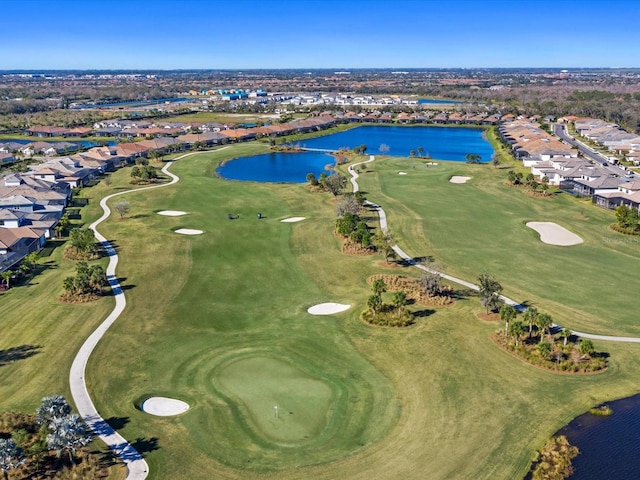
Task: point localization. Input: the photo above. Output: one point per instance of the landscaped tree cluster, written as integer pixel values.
(380, 313)
(333, 183)
(361, 149)
(490, 290)
(384, 242)
(350, 225)
(556, 351)
(87, 282)
(553, 462)
(143, 174)
(35, 444)
(82, 244)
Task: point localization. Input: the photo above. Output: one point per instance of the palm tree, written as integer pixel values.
(374, 302)
(420, 151)
(6, 276)
(544, 349)
(472, 158)
(400, 300)
(517, 329)
(68, 433)
(586, 346)
(507, 313)
(565, 334)
(379, 287)
(543, 322)
(490, 290)
(412, 153)
(530, 317)
(55, 406)
(10, 456)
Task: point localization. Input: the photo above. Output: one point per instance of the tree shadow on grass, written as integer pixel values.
(146, 445)
(117, 423)
(10, 355)
(427, 312)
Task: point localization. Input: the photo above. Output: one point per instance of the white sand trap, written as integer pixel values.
(327, 308)
(430, 163)
(402, 173)
(293, 219)
(458, 179)
(163, 406)
(554, 234)
(171, 213)
(188, 231)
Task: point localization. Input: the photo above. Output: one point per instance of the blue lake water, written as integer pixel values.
(440, 143)
(436, 101)
(609, 446)
(289, 167)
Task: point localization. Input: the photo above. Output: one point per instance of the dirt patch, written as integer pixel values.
(581, 217)
(488, 317)
(411, 287)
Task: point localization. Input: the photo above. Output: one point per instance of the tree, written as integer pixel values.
(495, 161)
(384, 242)
(543, 322)
(6, 276)
(400, 300)
(507, 313)
(544, 186)
(530, 315)
(384, 148)
(554, 460)
(431, 283)
(627, 217)
(374, 302)
(84, 241)
(586, 346)
(517, 329)
(420, 151)
(363, 149)
(473, 158)
(544, 349)
(348, 204)
(55, 406)
(490, 290)
(11, 456)
(565, 334)
(412, 153)
(379, 287)
(68, 433)
(123, 207)
(31, 260)
(311, 178)
(335, 183)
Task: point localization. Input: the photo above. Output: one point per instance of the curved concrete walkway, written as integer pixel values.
(136, 465)
(409, 260)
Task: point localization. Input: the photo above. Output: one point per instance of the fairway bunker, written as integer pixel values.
(188, 231)
(171, 213)
(459, 179)
(553, 234)
(163, 406)
(293, 219)
(402, 173)
(328, 308)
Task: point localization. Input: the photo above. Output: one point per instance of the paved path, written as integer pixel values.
(410, 260)
(136, 465)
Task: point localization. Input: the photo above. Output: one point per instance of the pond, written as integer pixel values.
(440, 143)
(608, 446)
(277, 167)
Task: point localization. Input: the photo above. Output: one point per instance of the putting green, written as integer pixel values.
(281, 402)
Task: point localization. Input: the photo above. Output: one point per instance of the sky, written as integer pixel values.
(307, 34)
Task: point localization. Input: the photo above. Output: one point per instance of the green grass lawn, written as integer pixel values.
(219, 320)
(480, 226)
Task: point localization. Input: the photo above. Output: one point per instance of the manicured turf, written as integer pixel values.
(480, 226)
(279, 401)
(219, 321)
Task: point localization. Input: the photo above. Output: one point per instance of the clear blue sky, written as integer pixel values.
(243, 34)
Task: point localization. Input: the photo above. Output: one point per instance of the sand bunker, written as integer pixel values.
(188, 231)
(402, 173)
(293, 219)
(554, 234)
(327, 308)
(171, 213)
(164, 407)
(457, 179)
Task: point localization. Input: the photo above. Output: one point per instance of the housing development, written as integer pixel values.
(317, 274)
